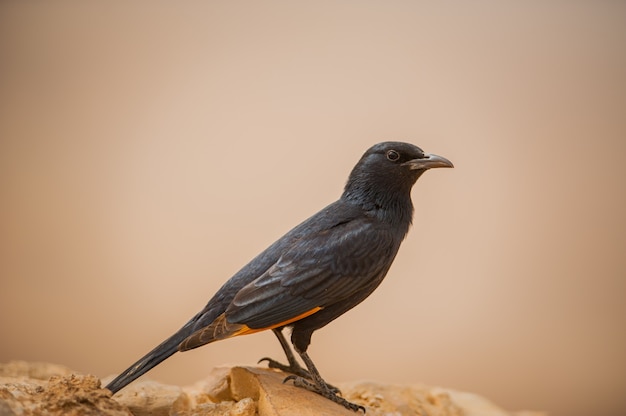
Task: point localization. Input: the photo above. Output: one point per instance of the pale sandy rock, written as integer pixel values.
(384, 399)
(213, 388)
(244, 407)
(473, 404)
(275, 398)
(77, 395)
(149, 398)
(45, 389)
(23, 391)
(212, 396)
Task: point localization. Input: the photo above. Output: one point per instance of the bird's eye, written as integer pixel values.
(393, 155)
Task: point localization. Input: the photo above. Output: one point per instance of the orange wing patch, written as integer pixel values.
(245, 329)
(220, 329)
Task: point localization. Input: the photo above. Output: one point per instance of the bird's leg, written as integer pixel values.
(317, 385)
(294, 367)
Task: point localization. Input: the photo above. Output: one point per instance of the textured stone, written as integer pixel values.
(384, 399)
(147, 398)
(46, 389)
(24, 391)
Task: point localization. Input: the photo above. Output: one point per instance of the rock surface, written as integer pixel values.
(48, 389)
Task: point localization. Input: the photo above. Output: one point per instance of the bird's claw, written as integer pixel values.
(293, 369)
(270, 362)
(327, 391)
(297, 380)
(288, 378)
(296, 371)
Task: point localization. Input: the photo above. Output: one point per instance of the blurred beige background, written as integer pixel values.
(149, 150)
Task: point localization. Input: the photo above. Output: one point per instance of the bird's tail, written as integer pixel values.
(151, 359)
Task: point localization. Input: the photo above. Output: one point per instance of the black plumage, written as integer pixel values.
(316, 272)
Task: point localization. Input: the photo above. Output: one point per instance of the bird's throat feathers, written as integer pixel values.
(389, 203)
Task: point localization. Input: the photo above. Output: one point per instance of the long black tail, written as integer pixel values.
(164, 350)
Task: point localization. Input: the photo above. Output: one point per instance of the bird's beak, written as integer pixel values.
(429, 161)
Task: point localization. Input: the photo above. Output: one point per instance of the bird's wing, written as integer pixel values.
(316, 271)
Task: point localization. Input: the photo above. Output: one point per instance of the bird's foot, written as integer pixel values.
(293, 368)
(325, 390)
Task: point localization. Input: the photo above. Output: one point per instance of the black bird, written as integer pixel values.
(316, 272)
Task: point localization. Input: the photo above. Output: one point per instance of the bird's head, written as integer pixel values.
(387, 171)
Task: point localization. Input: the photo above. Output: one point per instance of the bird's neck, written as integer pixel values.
(392, 206)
